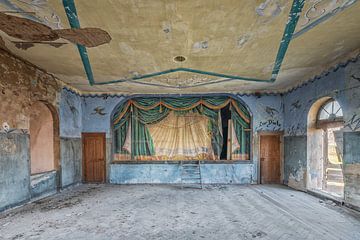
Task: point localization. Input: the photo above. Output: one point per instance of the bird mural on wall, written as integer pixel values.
(355, 77)
(99, 111)
(29, 30)
(295, 105)
(271, 111)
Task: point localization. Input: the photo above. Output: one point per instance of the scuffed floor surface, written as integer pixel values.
(168, 212)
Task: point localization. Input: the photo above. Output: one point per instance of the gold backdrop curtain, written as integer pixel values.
(181, 137)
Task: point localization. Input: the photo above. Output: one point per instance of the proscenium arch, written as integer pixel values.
(55, 132)
(126, 98)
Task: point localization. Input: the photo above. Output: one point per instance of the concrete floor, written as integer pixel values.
(168, 212)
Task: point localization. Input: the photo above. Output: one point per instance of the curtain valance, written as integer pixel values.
(180, 104)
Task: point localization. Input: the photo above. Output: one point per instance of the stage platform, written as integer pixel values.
(212, 172)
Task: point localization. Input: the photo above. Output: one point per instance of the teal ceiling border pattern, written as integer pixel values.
(296, 8)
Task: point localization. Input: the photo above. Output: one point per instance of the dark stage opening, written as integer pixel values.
(225, 117)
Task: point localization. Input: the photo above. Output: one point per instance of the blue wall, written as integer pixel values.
(342, 84)
(70, 114)
(70, 138)
(267, 112)
(171, 173)
(14, 169)
(97, 113)
(267, 115)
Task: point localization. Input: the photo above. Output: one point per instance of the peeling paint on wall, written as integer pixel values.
(201, 45)
(70, 114)
(297, 178)
(23, 84)
(269, 8)
(241, 42)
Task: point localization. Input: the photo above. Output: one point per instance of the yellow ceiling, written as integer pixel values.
(230, 37)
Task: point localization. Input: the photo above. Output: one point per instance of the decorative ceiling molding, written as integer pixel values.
(294, 15)
(268, 93)
(322, 14)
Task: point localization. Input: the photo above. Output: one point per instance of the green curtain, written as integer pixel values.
(144, 111)
(241, 128)
(142, 143)
(120, 131)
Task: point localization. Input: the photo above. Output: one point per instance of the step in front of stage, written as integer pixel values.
(191, 174)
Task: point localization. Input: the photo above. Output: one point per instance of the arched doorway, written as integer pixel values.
(44, 138)
(325, 147)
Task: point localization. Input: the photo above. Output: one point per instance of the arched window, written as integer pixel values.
(330, 112)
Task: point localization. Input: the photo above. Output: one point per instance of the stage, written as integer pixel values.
(212, 172)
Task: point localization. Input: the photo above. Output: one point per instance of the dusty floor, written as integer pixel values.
(167, 212)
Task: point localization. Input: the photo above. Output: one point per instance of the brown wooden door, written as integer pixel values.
(94, 157)
(270, 159)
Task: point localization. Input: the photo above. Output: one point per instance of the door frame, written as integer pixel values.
(281, 136)
(83, 135)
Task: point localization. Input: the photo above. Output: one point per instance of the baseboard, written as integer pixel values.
(326, 196)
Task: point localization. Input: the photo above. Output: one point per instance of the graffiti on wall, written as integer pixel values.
(74, 112)
(72, 108)
(354, 123)
(270, 118)
(273, 125)
(296, 130)
(295, 105)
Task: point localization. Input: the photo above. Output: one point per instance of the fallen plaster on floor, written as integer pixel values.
(169, 212)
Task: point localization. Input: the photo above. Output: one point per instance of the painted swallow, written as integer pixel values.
(99, 110)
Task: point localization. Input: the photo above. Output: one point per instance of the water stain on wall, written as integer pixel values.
(7, 146)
